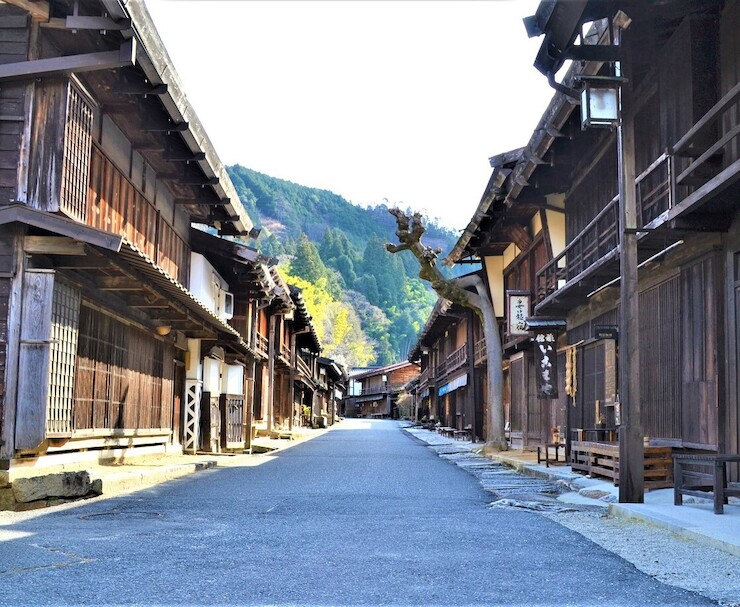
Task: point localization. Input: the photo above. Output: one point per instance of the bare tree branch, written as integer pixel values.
(410, 231)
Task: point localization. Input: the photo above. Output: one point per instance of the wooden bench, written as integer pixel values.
(711, 484)
(446, 431)
(464, 434)
(602, 459)
(546, 457)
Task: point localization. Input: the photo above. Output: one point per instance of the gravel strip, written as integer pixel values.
(667, 557)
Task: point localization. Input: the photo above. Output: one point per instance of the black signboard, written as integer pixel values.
(606, 332)
(546, 361)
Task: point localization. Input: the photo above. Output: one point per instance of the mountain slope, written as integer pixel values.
(324, 239)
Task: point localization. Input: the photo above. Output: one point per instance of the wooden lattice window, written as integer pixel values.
(76, 158)
(64, 332)
(122, 379)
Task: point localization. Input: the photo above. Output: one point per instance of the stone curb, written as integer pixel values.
(131, 480)
(675, 527)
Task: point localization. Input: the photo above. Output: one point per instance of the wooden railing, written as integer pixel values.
(285, 353)
(479, 351)
(261, 344)
(597, 239)
(705, 160)
(115, 205)
(454, 361)
(710, 149)
(303, 367)
(424, 377)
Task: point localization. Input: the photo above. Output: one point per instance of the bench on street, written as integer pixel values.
(546, 456)
(703, 475)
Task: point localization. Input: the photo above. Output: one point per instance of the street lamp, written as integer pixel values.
(599, 101)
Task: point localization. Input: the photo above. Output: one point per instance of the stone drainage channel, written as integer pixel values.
(509, 489)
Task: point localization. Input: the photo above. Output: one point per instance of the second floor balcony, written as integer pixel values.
(692, 187)
(455, 360)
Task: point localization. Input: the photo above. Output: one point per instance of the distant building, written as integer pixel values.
(374, 392)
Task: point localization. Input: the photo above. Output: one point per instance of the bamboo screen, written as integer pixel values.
(118, 207)
(64, 330)
(123, 378)
(76, 157)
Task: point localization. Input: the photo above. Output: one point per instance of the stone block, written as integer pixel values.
(63, 484)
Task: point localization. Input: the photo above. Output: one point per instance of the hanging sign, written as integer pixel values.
(518, 312)
(546, 362)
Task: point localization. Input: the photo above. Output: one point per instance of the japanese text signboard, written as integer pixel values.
(518, 312)
(546, 363)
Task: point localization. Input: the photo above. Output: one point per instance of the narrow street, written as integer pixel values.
(362, 515)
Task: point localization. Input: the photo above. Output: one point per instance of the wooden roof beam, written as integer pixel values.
(166, 127)
(39, 10)
(519, 236)
(202, 201)
(184, 156)
(88, 23)
(142, 88)
(89, 62)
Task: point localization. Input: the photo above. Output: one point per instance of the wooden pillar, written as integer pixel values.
(631, 451)
(471, 391)
(271, 372)
(291, 388)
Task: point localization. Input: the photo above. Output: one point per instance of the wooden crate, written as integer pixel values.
(602, 459)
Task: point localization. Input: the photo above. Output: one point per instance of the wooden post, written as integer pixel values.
(631, 455)
(291, 388)
(471, 390)
(271, 371)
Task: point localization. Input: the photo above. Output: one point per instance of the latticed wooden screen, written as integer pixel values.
(76, 158)
(117, 206)
(62, 354)
(123, 377)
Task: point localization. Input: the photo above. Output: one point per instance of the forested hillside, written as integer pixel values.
(368, 305)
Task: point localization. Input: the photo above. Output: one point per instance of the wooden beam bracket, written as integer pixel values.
(89, 62)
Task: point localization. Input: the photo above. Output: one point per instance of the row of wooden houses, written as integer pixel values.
(612, 254)
(134, 316)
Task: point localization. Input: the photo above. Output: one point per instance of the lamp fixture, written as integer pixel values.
(600, 101)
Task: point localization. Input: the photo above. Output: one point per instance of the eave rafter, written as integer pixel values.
(68, 64)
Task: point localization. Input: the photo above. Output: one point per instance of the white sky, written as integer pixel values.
(371, 99)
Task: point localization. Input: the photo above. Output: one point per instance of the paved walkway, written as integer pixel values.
(695, 519)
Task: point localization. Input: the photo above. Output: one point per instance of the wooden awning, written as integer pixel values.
(57, 224)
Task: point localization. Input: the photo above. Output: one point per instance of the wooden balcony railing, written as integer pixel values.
(115, 205)
(704, 162)
(456, 359)
(262, 344)
(480, 353)
(707, 158)
(284, 353)
(597, 239)
(302, 366)
(424, 377)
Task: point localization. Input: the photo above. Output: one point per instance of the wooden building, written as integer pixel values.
(332, 385)
(451, 352)
(677, 162)
(126, 331)
(512, 244)
(374, 392)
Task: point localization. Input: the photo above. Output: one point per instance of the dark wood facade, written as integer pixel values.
(451, 353)
(682, 106)
(129, 325)
(373, 393)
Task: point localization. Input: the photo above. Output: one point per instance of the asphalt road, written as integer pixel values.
(363, 515)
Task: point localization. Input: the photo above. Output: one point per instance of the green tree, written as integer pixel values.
(307, 264)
